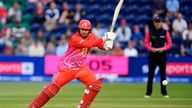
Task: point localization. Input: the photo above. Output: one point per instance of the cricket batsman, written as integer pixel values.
(72, 66)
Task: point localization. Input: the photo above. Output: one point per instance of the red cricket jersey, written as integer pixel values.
(77, 51)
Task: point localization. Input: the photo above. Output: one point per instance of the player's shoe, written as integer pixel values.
(166, 96)
(147, 96)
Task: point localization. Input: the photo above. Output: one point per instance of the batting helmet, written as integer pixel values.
(84, 24)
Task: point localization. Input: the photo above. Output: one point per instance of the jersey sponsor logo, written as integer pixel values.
(81, 41)
(162, 36)
(84, 51)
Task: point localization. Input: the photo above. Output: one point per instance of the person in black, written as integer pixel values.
(157, 41)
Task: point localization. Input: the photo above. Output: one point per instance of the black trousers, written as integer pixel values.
(155, 60)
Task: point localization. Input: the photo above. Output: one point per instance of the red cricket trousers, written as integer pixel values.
(85, 75)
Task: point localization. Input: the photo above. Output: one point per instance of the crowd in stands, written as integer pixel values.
(44, 27)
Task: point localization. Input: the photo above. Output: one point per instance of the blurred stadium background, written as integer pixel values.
(32, 38)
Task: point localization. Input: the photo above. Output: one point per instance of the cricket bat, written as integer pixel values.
(115, 15)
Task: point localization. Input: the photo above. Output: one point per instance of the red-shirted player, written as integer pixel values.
(72, 66)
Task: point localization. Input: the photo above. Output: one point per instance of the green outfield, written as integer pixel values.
(18, 95)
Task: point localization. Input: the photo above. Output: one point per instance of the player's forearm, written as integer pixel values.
(101, 46)
(147, 42)
(169, 42)
(148, 47)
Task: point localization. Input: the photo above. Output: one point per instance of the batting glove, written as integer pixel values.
(109, 36)
(108, 45)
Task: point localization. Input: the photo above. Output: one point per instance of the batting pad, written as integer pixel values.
(48, 92)
(90, 93)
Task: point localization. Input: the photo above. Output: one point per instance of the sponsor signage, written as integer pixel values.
(17, 68)
(138, 67)
(99, 64)
(181, 69)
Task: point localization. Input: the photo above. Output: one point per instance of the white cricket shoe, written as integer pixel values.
(147, 96)
(166, 96)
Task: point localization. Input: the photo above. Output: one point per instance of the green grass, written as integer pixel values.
(19, 95)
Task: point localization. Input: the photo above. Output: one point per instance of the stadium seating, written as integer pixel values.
(101, 10)
(30, 7)
(35, 27)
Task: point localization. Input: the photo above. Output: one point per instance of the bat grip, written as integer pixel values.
(112, 27)
(111, 30)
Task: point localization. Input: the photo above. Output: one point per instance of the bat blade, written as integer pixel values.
(116, 14)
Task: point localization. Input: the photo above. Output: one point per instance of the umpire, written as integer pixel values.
(157, 41)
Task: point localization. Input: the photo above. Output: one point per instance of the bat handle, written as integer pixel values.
(112, 27)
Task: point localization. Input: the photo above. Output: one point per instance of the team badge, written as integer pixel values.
(84, 25)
